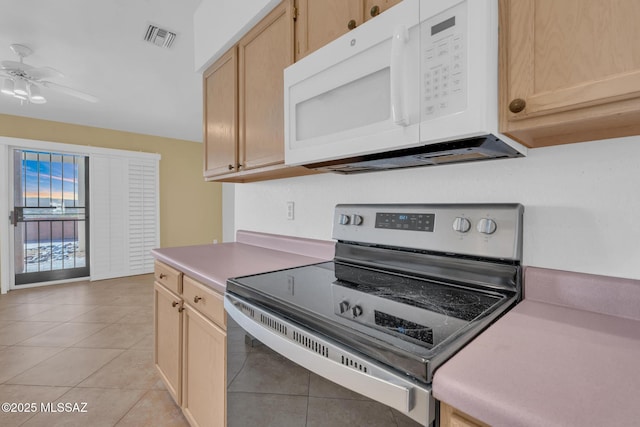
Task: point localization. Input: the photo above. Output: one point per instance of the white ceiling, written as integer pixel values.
(99, 47)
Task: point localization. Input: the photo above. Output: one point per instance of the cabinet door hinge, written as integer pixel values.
(295, 13)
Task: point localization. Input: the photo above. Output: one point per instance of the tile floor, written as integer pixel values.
(83, 342)
(93, 342)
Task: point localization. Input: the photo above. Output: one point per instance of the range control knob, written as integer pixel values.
(344, 306)
(486, 226)
(461, 225)
(356, 311)
(344, 219)
(356, 219)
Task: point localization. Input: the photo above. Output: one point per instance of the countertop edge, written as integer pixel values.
(324, 249)
(265, 252)
(533, 358)
(209, 281)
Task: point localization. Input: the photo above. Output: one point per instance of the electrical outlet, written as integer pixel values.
(290, 210)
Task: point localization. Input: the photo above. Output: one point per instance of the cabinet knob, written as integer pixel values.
(517, 105)
(175, 303)
(351, 24)
(231, 167)
(162, 275)
(181, 309)
(375, 10)
(196, 299)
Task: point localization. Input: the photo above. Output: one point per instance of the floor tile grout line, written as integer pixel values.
(67, 346)
(56, 385)
(136, 307)
(132, 406)
(22, 372)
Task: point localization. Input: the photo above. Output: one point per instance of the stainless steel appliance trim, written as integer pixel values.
(503, 244)
(333, 362)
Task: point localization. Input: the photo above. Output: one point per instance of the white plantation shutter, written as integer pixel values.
(143, 215)
(124, 214)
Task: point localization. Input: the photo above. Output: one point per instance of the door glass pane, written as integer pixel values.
(51, 218)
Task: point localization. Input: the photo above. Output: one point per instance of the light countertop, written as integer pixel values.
(252, 253)
(567, 355)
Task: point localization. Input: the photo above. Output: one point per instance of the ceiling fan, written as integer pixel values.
(23, 81)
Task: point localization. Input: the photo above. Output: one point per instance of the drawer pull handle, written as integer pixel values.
(162, 276)
(175, 303)
(517, 105)
(196, 299)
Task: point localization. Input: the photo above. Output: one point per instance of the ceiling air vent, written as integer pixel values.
(159, 37)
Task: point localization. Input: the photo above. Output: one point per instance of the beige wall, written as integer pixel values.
(190, 208)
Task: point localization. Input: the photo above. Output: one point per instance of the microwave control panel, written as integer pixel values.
(444, 63)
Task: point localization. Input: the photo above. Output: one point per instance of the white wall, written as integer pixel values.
(582, 201)
(219, 24)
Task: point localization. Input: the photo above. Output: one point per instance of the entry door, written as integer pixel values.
(50, 216)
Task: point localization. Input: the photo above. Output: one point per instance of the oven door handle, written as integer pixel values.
(393, 391)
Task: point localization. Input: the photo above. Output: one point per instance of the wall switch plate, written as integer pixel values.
(290, 210)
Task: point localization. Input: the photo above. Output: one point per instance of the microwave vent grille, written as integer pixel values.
(471, 149)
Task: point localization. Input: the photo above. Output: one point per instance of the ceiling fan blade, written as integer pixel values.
(44, 73)
(69, 91)
(15, 65)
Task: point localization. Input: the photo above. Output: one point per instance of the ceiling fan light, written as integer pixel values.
(20, 88)
(35, 96)
(7, 87)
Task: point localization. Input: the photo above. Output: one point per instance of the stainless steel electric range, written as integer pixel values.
(409, 286)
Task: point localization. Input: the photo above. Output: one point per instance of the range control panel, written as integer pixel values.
(486, 230)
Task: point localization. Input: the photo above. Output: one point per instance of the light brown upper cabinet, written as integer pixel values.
(264, 53)
(569, 70)
(221, 116)
(319, 22)
(244, 104)
(373, 8)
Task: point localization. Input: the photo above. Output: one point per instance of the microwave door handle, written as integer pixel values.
(398, 43)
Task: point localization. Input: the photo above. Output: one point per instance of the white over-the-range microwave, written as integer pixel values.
(416, 86)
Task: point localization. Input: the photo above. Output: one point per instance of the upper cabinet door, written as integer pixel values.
(373, 8)
(319, 22)
(221, 116)
(570, 70)
(264, 53)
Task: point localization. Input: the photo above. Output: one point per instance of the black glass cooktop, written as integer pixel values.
(413, 313)
(449, 300)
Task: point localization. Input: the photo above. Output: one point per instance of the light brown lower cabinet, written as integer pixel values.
(452, 417)
(190, 347)
(204, 380)
(168, 339)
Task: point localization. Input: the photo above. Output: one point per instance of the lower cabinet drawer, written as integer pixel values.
(204, 299)
(168, 276)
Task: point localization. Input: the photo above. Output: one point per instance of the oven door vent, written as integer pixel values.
(311, 344)
(247, 310)
(273, 324)
(353, 364)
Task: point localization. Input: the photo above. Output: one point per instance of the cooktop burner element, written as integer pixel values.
(399, 295)
(454, 301)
